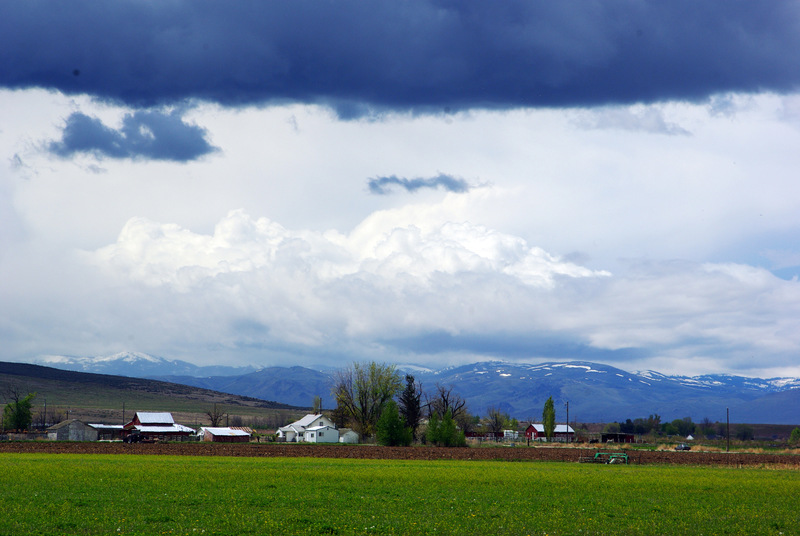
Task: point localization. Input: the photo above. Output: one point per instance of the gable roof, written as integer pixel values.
(66, 423)
(308, 419)
(146, 417)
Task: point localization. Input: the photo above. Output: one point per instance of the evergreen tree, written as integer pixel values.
(549, 418)
(410, 405)
(390, 430)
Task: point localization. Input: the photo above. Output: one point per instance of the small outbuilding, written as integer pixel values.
(347, 435)
(108, 432)
(617, 437)
(224, 435)
(321, 434)
(71, 430)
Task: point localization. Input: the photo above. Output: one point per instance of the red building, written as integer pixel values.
(225, 435)
(563, 432)
(155, 426)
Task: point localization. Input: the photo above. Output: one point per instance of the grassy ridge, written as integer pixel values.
(100, 396)
(72, 494)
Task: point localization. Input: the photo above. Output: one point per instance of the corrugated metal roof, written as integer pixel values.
(175, 428)
(146, 417)
(224, 431)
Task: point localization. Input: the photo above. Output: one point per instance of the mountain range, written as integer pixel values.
(594, 392)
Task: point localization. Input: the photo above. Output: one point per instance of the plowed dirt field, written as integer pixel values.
(519, 453)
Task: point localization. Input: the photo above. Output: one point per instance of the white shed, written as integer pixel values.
(321, 434)
(346, 435)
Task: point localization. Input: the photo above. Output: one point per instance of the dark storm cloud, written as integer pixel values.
(383, 185)
(144, 134)
(418, 55)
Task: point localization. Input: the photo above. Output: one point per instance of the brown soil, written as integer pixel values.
(520, 453)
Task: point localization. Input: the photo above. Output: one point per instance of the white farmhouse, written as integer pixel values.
(296, 431)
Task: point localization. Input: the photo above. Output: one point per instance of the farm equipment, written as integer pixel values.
(606, 457)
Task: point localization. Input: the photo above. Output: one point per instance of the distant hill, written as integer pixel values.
(69, 389)
(138, 365)
(595, 392)
(293, 385)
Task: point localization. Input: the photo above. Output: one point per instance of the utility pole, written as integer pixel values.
(567, 430)
(728, 431)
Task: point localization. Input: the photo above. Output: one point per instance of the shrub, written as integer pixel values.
(445, 433)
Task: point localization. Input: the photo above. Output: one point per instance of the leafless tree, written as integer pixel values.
(215, 415)
(445, 399)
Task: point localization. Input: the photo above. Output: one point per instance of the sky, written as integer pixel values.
(419, 182)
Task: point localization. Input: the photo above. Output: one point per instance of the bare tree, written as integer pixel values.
(215, 415)
(496, 421)
(445, 399)
(362, 390)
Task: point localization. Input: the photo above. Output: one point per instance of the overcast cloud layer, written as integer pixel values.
(605, 181)
(422, 55)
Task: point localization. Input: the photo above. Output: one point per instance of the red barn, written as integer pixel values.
(155, 426)
(562, 432)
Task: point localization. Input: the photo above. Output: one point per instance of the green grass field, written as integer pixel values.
(98, 494)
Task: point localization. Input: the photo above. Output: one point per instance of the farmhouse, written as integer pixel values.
(563, 432)
(71, 430)
(155, 426)
(224, 435)
(296, 431)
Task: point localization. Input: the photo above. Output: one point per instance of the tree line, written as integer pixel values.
(376, 401)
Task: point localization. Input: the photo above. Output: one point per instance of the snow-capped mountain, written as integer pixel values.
(601, 393)
(595, 392)
(137, 365)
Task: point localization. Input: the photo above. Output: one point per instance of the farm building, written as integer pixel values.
(563, 432)
(224, 435)
(296, 431)
(71, 430)
(321, 434)
(108, 432)
(617, 437)
(155, 426)
(346, 435)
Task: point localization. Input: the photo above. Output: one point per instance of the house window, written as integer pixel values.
(321, 434)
